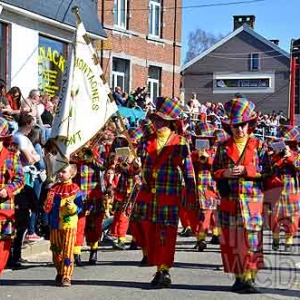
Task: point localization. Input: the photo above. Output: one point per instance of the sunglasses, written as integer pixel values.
(243, 125)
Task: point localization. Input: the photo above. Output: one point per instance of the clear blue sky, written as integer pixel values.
(275, 19)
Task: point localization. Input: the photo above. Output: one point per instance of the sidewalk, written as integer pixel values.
(39, 247)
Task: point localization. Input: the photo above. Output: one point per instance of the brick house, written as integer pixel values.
(245, 62)
(146, 46)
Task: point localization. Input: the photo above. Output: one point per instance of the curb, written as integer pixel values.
(35, 248)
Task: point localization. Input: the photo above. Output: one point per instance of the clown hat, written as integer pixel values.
(167, 109)
(239, 111)
(204, 130)
(288, 133)
(221, 135)
(4, 129)
(135, 134)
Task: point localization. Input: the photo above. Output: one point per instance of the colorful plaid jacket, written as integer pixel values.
(207, 190)
(11, 179)
(288, 170)
(90, 178)
(243, 205)
(165, 174)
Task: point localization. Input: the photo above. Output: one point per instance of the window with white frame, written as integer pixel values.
(3, 51)
(254, 61)
(120, 74)
(154, 78)
(248, 82)
(120, 13)
(155, 18)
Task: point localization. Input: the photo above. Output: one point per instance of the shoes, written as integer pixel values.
(119, 246)
(186, 232)
(162, 279)
(77, 260)
(108, 238)
(33, 238)
(144, 262)
(66, 282)
(249, 287)
(215, 240)
(133, 246)
(288, 247)
(58, 279)
(275, 245)
(237, 286)
(93, 257)
(17, 263)
(202, 245)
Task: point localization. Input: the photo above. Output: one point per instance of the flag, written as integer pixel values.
(84, 106)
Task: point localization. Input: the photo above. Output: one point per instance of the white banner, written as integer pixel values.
(84, 106)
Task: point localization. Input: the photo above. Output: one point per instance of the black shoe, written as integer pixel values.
(202, 246)
(119, 246)
(215, 240)
(162, 279)
(133, 246)
(58, 279)
(93, 257)
(275, 245)
(157, 277)
(144, 262)
(249, 287)
(237, 286)
(77, 259)
(19, 263)
(187, 233)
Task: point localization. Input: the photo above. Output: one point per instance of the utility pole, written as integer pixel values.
(294, 81)
(174, 49)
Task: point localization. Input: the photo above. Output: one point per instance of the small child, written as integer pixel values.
(63, 203)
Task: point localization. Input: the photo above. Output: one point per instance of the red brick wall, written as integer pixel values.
(140, 47)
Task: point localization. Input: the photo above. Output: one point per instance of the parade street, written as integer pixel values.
(117, 276)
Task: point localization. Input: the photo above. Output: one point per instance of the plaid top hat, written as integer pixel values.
(4, 129)
(147, 127)
(167, 109)
(135, 134)
(204, 130)
(221, 135)
(288, 133)
(239, 111)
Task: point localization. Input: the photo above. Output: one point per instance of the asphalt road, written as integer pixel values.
(117, 276)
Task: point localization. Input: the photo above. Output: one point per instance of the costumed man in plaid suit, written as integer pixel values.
(208, 197)
(11, 182)
(63, 203)
(238, 167)
(286, 166)
(90, 178)
(166, 165)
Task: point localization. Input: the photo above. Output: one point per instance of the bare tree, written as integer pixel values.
(198, 41)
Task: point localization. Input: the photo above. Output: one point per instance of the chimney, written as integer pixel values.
(239, 21)
(276, 42)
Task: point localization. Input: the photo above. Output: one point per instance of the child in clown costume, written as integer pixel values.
(207, 191)
(63, 203)
(285, 210)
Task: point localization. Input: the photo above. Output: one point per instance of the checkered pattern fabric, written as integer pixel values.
(147, 127)
(135, 134)
(204, 129)
(168, 109)
(243, 191)
(239, 110)
(12, 179)
(221, 135)
(288, 133)
(4, 128)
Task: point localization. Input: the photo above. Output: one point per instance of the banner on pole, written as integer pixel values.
(84, 106)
